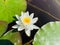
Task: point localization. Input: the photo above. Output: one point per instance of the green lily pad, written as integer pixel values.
(3, 27)
(9, 8)
(48, 34)
(14, 37)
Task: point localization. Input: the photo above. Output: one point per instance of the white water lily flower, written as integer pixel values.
(26, 21)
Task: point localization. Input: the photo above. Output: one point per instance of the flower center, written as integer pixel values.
(26, 20)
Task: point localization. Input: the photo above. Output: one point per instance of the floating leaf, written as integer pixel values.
(3, 27)
(8, 9)
(48, 34)
(14, 37)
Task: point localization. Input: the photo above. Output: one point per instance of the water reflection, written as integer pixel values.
(57, 2)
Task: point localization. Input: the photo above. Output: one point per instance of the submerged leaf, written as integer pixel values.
(48, 34)
(5, 42)
(14, 37)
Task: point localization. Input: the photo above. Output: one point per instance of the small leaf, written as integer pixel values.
(48, 34)
(3, 27)
(14, 37)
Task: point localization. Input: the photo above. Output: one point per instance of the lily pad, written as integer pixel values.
(14, 37)
(3, 27)
(9, 8)
(48, 34)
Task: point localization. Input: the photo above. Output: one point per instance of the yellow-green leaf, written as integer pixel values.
(9, 8)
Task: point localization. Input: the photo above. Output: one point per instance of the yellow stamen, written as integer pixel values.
(26, 20)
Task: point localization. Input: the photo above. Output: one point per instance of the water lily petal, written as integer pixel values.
(20, 28)
(34, 20)
(35, 27)
(27, 13)
(32, 15)
(18, 22)
(17, 16)
(30, 27)
(27, 32)
(22, 13)
(15, 26)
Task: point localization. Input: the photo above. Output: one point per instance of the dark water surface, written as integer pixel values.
(5, 42)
